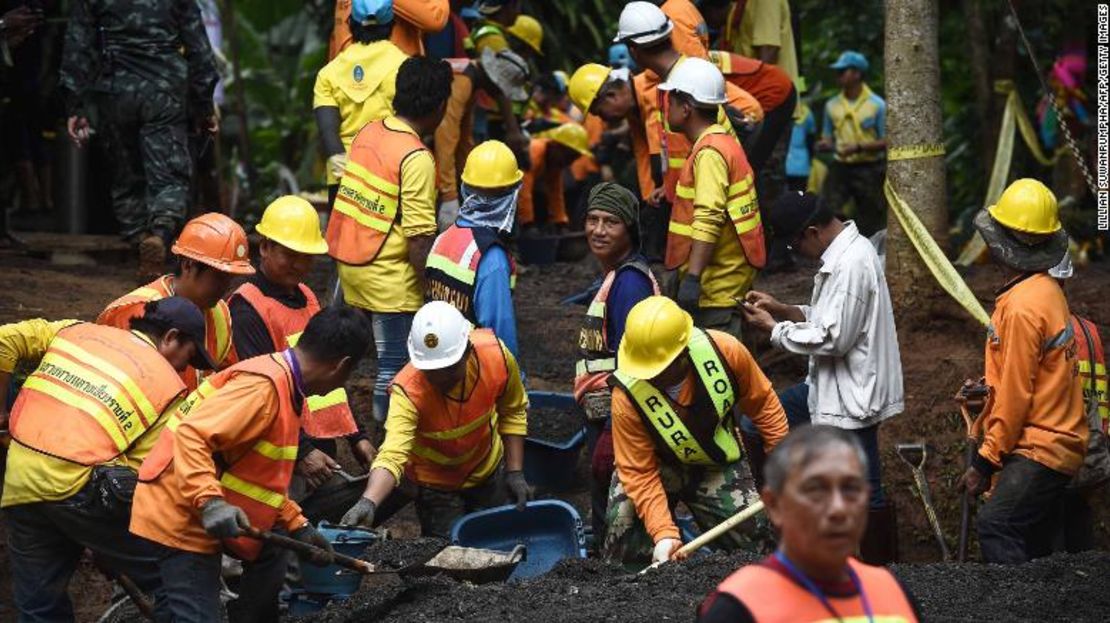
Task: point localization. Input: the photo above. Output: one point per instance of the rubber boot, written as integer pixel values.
(880, 541)
(152, 257)
(753, 445)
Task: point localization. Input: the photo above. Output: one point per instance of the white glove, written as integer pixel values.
(448, 212)
(337, 163)
(664, 549)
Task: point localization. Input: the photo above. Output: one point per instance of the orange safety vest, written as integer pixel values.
(453, 438)
(1092, 367)
(451, 273)
(324, 417)
(772, 597)
(217, 323)
(369, 199)
(768, 84)
(599, 358)
(742, 205)
(95, 393)
(256, 481)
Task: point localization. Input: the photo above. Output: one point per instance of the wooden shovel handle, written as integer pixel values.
(348, 562)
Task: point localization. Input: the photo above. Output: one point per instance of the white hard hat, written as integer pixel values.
(699, 79)
(439, 336)
(642, 23)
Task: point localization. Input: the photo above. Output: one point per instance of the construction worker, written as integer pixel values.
(526, 36)
(491, 31)
(690, 35)
(612, 231)
(83, 422)
(855, 129)
(503, 76)
(412, 19)
(357, 86)
(1034, 426)
(803, 139)
(715, 238)
(774, 91)
(223, 464)
(677, 391)
(270, 311)
(157, 85)
(816, 497)
(759, 29)
(211, 250)
(456, 426)
(380, 249)
(469, 265)
(551, 153)
(847, 330)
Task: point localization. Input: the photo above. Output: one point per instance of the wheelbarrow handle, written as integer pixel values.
(291, 544)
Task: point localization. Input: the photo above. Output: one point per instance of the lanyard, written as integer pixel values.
(295, 368)
(816, 591)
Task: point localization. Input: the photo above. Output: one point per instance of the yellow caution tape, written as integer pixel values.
(934, 257)
(912, 152)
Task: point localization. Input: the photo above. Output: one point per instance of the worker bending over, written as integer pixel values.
(270, 312)
(492, 30)
(690, 34)
(379, 247)
(612, 231)
(211, 249)
(677, 391)
(715, 238)
(469, 265)
(83, 423)
(223, 464)
(552, 153)
(456, 426)
(816, 496)
(1034, 426)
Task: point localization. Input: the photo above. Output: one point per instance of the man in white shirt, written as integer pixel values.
(847, 330)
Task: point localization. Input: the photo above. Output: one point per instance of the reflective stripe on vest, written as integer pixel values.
(1095, 386)
(451, 272)
(94, 394)
(661, 413)
(741, 205)
(452, 439)
(368, 201)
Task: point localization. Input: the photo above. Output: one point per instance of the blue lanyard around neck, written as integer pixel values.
(295, 368)
(816, 591)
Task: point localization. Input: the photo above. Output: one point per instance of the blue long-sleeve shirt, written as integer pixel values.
(630, 287)
(493, 298)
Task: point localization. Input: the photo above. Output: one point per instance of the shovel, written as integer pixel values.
(914, 455)
(712, 534)
(969, 391)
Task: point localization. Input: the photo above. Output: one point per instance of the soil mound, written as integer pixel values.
(554, 425)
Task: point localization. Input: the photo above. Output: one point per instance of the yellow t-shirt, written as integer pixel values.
(767, 22)
(389, 283)
(510, 418)
(728, 273)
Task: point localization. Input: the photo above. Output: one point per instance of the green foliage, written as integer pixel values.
(576, 31)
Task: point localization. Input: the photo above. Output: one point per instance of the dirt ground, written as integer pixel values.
(936, 357)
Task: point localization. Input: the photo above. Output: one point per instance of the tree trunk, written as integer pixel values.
(1002, 68)
(914, 118)
(978, 48)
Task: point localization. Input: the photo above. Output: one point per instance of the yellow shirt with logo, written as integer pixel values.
(31, 476)
(862, 120)
(389, 283)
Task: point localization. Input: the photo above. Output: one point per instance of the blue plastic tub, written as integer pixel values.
(328, 580)
(551, 530)
(552, 465)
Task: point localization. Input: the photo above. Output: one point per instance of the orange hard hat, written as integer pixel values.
(216, 240)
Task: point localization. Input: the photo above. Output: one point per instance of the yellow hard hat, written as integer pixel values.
(528, 29)
(572, 135)
(1027, 206)
(491, 165)
(292, 222)
(656, 332)
(585, 84)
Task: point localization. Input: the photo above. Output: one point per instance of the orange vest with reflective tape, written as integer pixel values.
(257, 480)
(772, 597)
(217, 323)
(742, 206)
(453, 438)
(1092, 367)
(97, 390)
(369, 199)
(324, 417)
(451, 273)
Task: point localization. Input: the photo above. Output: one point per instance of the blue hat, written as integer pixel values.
(372, 12)
(469, 12)
(851, 60)
(619, 56)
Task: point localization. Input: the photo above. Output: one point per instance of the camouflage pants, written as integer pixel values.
(146, 136)
(863, 183)
(713, 494)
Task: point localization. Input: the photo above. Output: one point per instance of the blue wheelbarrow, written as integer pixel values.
(549, 530)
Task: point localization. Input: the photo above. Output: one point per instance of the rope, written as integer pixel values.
(1079, 159)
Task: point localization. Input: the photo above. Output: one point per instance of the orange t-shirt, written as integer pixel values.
(690, 35)
(552, 187)
(634, 448)
(411, 19)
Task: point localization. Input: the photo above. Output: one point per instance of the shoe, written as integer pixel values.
(152, 257)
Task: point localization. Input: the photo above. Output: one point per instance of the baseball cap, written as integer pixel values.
(851, 59)
(372, 12)
(182, 314)
(791, 213)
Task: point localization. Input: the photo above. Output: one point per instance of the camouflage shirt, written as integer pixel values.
(119, 45)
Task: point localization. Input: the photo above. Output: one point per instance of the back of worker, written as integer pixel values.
(413, 19)
(1092, 367)
(690, 34)
(556, 150)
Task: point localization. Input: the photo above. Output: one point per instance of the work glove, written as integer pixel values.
(518, 488)
(448, 212)
(361, 514)
(664, 549)
(337, 164)
(223, 520)
(324, 555)
(689, 291)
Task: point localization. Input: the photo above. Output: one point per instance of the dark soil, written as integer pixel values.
(554, 425)
(395, 554)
